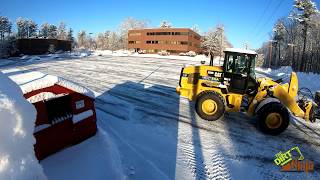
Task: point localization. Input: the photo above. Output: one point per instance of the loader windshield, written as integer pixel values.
(239, 63)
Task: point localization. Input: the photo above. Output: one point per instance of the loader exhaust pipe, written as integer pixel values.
(317, 108)
(211, 59)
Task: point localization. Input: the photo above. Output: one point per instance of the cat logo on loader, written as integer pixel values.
(234, 87)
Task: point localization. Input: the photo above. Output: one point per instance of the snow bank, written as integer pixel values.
(308, 80)
(33, 80)
(24, 57)
(121, 52)
(197, 58)
(102, 52)
(81, 53)
(5, 62)
(34, 58)
(17, 117)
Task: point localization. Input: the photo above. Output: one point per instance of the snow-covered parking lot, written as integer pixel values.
(146, 131)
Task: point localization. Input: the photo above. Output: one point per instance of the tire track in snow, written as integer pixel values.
(214, 169)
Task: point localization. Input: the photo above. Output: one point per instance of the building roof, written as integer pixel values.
(244, 51)
(164, 29)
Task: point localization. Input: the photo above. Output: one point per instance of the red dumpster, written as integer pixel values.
(65, 111)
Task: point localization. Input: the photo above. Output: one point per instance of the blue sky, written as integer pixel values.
(245, 20)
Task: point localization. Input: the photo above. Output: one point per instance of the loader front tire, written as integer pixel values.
(273, 119)
(210, 106)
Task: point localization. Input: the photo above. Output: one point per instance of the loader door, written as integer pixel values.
(237, 70)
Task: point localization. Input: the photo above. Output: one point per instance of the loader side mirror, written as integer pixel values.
(202, 62)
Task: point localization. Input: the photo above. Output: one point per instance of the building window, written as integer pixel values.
(150, 33)
(196, 37)
(168, 33)
(184, 33)
(183, 42)
(134, 42)
(134, 34)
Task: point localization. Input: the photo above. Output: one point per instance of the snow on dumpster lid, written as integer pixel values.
(33, 80)
(245, 51)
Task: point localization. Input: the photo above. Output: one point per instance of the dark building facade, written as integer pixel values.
(173, 40)
(33, 46)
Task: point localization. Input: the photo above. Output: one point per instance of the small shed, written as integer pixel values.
(65, 111)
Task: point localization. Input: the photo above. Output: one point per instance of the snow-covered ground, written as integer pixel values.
(146, 131)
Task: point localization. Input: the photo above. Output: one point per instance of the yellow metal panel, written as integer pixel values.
(308, 109)
(235, 100)
(258, 98)
(293, 87)
(286, 99)
(191, 85)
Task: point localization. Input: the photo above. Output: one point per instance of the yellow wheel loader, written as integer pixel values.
(234, 87)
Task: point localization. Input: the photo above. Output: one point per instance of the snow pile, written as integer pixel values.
(34, 58)
(81, 53)
(102, 52)
(121, 52)
(33, 80)
(17, 116)
(5, 62)
(54, 56)
(197, 58)
(24, 57)
(307, 80)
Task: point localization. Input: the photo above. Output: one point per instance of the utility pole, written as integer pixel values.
(90, 41)
(292, 52)
(246, 44)
(221, 36)
(270, 51)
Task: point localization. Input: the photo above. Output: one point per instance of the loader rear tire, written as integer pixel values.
(273, 119)
(210, 106)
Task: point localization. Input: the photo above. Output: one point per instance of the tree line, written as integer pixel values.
(213, 41)
(110, 40)
(295, 40)
(27, 28)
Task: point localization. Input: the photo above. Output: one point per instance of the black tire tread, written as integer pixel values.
(219, 100)
(270, 108)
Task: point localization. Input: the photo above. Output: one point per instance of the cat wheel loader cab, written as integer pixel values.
(234, 87)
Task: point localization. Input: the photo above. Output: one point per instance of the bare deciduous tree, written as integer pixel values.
(298, 37)
(128, 24)
(62, 31)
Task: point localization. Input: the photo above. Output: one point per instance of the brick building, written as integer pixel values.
(173, 40)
